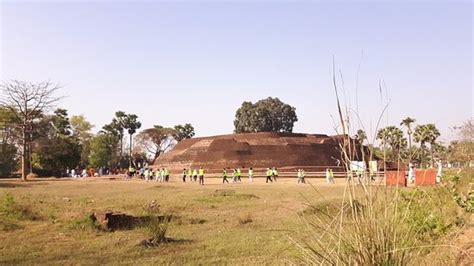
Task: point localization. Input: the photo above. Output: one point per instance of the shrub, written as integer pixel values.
(87, 222)
(386, 227)
(11, 213)
(155, 224)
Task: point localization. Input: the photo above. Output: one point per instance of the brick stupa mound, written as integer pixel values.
(257, 150)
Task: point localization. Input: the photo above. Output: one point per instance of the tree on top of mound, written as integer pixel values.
(267, 115)
(158, 139)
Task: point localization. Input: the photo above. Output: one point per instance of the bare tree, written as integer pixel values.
(27, 101)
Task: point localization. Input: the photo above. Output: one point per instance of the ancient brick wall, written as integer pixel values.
(257, 150)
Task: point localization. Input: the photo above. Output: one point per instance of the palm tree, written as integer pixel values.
(407, 123)
(392, 136)
(119, 124)
(132, 124)
(427, 134)
(360, 136)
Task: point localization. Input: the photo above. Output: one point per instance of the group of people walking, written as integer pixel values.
(159, 175)
(194, 175)
(197, 175)
(236, 175)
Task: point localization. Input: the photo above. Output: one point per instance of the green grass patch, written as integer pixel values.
(226, 195)
(86, 222)
(12, 213)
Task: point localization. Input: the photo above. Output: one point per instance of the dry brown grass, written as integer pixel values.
(224, 236)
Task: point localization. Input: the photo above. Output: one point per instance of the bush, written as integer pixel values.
(155, 224)
(87, 222)
(11, 213)
(377, 227)
(8, 159)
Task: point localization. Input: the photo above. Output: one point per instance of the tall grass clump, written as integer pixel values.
(155, 224)
(373, 224)
(11, 213)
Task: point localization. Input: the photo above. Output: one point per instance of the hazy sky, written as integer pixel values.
(197, 61)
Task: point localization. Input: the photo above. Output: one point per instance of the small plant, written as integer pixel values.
(225, 195)
(87, 222)
(8, 214)
(246, 219)
(11, 213)
(156, 225)
(197, 221)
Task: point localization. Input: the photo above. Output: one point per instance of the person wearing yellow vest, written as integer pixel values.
(201, 176)
(329, 176)
(269, 175)
(195, 175)
(239, 175)
(251, 174)
(190, 174)
(147, 174)
(224, 176)
(274, 174)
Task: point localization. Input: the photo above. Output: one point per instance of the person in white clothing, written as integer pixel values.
(439, 174)
(146, 174)
(411, 173)
(251, 174)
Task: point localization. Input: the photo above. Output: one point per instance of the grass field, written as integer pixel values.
(245, 223)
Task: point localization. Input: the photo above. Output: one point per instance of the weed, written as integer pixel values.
(87, 222)
(197, 221)
(246, 219)
(11, 213)
(156, 225)
(226, 195)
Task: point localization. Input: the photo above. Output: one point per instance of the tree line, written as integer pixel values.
(35, 138)
(398, 146)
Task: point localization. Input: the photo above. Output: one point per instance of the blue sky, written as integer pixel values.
(197, 61)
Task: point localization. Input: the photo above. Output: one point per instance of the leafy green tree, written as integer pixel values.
(115, 139)
(267, 115)
(158, 139)
(81, 130)
(101, 150)
(8, 129)
(8, 150)
(54, 155)
(427, 134)
(185, 131)
(8, 159)
(54, 147)
(60, 123)
(407, 122)
(132, 124)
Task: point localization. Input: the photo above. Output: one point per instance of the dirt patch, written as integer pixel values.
(113, 221)
(465, 241)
